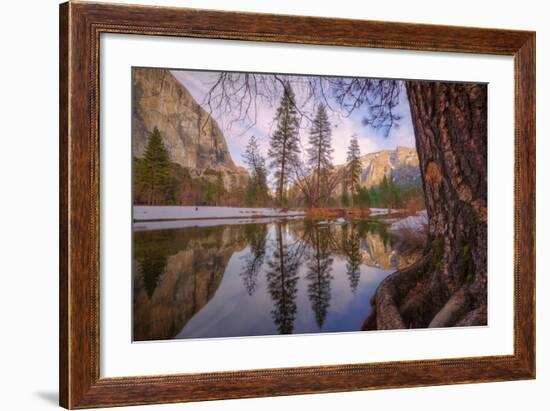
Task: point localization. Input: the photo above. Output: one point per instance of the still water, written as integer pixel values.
(269, 278)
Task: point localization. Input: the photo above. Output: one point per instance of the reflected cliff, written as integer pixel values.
(279, 277)
(176, 273)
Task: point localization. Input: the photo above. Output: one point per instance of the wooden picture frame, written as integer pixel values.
(80, 27)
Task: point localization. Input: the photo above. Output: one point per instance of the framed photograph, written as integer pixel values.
(258, 205)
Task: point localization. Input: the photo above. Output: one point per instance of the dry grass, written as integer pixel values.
(358, 212)
(332, 213)
(324, 213)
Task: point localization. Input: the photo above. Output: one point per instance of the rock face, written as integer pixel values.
(194, 262)
(373, 248)
(401, 164)
(378, 253)
(192, 136)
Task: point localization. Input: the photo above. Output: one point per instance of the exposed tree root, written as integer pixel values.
(409, 298)
(455, 308)
(387, 300)
(477, 316)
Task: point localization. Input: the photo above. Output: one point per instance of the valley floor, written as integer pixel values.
(167, 217)
(155, 213)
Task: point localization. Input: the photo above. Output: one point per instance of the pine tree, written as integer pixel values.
(257, 190)
(284, 145)
(385, 192)
(393, 194)
(153, 171)
(320, 149)
(353, 167)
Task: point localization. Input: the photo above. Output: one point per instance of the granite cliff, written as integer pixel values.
(193, 138)
(401, 164)
(192, 265)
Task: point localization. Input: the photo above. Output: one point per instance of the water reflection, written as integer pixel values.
(280, 277)
(256, 236)
(351, 244)
(319, 268)
(151, 266)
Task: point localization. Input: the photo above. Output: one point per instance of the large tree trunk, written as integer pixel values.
(448, 286)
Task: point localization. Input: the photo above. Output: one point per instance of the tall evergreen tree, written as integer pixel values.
(257, 190)
(284, 145)
(153, 171)
(394, 195)
(320, 149)
(353, 167)
(385, 192)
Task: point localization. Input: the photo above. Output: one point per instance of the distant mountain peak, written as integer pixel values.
(400, 163)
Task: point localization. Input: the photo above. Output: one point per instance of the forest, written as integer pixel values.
(287, 177)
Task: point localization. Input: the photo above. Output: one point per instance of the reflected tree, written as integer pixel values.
(352, 250)
(319, 274)
(282, 280)
(151, 268)
(256, 235)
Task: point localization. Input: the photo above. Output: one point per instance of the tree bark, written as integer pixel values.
(450, 125)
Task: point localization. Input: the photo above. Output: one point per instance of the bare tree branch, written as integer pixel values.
(238, 95)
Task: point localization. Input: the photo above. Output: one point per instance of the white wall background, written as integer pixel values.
(29, 190)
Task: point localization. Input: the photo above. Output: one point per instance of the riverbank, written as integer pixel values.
(168, 217)
(173, 213)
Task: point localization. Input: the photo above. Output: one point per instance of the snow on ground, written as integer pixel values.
(168, 217)
(148, 213)
(170, 224)
(412, 222)
(382, 211)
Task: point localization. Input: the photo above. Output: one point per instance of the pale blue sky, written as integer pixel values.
(343, 128)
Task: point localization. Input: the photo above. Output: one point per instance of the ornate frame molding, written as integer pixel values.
(80, 27)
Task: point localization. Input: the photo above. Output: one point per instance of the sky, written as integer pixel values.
(344, 127)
